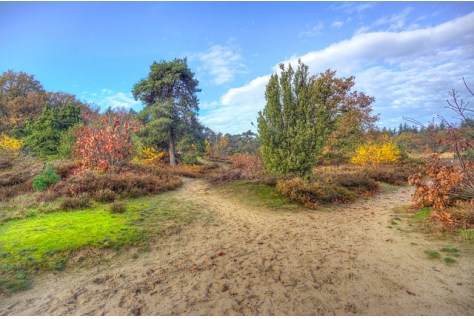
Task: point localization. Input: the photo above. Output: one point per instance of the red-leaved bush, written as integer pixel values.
(106, 142)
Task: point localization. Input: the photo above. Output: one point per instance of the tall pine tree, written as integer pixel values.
(171, 105)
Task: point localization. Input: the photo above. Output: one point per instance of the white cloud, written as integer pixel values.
(337, 24)
(353, 7)
(408, 72)
(221, 62)
(238, 107)
(312, 31)
(107, 97)
(395, 21)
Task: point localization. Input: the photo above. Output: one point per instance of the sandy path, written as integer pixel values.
(260, 262)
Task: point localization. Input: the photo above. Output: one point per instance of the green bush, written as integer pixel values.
(46, 178)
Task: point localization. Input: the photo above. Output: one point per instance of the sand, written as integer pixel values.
(256, 261)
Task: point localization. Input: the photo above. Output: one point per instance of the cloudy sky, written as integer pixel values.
(408, 55)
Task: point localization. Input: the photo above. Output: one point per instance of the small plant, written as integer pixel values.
(414, 244)
(117, 208)
(311, 194)
(104, 196)
(134, 255)
(450, 261)
(45, 178)
(78, 202)
(449, 250)
(432, 254)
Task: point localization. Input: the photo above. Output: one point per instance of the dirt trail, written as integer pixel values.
(260, 262)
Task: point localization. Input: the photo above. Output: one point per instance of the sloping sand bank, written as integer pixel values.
(260, 262)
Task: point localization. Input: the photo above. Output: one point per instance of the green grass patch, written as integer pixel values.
(450, 261)
(414, 244)
(258, 195)
(431, 254)
(422, 213)
(449, 250)
(46, 241)
(467, 234)
(62, 231)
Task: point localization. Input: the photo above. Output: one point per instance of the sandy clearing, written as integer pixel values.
(262, 262)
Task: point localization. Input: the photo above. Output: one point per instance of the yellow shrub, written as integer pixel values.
(10, 145)
(376, 153)
(150, 155)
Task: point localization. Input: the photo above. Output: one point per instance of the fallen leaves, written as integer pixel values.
(221, 254)
(311, 217)
(225, 288)
(411, 293)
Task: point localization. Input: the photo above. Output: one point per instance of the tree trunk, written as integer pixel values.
(171, 147)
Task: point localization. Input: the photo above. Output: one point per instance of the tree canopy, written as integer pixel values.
(171, 105)
(23, 98)
(302, 112)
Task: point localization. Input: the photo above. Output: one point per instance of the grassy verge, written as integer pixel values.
(45, 242)
(259, 195)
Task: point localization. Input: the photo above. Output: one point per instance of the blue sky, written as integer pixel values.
(408, 55)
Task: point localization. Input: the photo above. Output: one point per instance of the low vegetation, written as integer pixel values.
(73, 177)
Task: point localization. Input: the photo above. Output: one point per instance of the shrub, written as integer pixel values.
(14, 190)
(69, 203)
(252, 163)
(46, 178)
(10, 146)
(117, 208)
(389, 175)
(356, 182)
(65, 168)
(150, 155)
(5, 163)
(105, 143)
(374, 154)
(104, 196)
(314, 193)
(462, 214)
(126, 184)
(14, 178)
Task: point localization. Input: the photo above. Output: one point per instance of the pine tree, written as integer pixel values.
(171, 105)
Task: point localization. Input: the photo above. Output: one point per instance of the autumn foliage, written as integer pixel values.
(374, 154)
(106, 142)
(150, 155)
(9, 146)
(448, 187)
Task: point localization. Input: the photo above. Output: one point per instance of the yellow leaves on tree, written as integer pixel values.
(208, 149)
(219, 149)
(375, 154)
(9, 145)
(150, 155)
